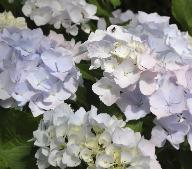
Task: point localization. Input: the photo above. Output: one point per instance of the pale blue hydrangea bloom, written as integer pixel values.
(35, 70)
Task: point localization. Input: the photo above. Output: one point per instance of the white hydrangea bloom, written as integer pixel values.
(121, 55)
(35, 69)
(66, 13)
(65, 138)
(150, 57)
(8, 20)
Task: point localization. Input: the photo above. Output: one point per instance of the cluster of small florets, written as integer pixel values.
(35, 69)
(66, 138)
(8, 20)
(66, 13)
(147, 68)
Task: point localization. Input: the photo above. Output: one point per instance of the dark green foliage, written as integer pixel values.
(16, 128)
(182, 11)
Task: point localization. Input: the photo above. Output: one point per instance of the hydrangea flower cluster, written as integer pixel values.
(142, 66)
(35, 69)
(147, 68)
(65, 138)
(8, 20)
(67, 13)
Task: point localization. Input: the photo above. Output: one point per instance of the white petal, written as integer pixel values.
(124, 137)
(158, 136)
(59, 60)
(69, 160)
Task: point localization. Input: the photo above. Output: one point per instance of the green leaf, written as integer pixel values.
(82, 98)
(16, 128)
(101, 11)
(14, 155)
(91, 75)
(86, 74)
(185, 159)
(168, 157)
(136, 125)
(111, 110)
(116, 3)
(182, 11)
(147, 125)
